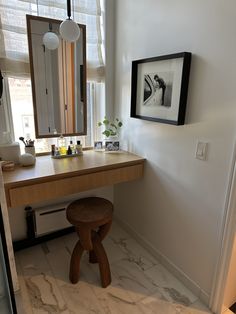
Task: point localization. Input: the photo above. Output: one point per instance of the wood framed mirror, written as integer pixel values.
(58, 80)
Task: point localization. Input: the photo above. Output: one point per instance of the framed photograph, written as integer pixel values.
(98, 145)
(112, 146)
(160, 87)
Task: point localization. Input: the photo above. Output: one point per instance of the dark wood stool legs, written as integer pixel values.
(91, 241)
(75, 262)
(102, 259)
(102, 232)
(92, 218)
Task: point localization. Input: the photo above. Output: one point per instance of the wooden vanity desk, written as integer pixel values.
(55, 178)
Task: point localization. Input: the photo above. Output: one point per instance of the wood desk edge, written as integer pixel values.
(73, 173)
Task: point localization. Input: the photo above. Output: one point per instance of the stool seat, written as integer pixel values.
(92, 218)
(91, 211)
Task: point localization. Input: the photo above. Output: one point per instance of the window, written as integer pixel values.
(20, 106)
(16, 113)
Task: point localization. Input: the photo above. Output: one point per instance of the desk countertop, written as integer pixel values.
(47, 168)
(52, 178)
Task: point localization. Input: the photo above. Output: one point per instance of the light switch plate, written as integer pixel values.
(201, 151)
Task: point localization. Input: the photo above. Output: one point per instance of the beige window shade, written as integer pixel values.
(13, 35)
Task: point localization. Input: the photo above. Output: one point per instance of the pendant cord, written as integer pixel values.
(68, 9)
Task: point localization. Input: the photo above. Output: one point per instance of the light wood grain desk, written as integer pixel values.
(55, 178)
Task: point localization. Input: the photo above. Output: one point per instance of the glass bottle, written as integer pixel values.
(72, 147)
(62, 145)
(79, 149)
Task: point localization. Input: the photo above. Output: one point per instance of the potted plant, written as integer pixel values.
(111, 132)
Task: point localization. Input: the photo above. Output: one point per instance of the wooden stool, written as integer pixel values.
(92, 218)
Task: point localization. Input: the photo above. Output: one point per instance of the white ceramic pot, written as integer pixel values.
(27, 160)
(30, 150)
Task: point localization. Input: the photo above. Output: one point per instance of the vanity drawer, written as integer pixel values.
(29, 194)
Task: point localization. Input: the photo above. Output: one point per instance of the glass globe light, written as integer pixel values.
(69, 30)
(51, 40)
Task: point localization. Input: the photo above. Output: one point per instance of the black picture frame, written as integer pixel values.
(159, 88)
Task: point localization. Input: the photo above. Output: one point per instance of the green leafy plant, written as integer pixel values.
(111, 127)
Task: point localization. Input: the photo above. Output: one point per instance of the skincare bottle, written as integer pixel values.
(53, 149)
(72, 146)
(56, 153)
(62, 145)
(69, 151)
(79, 149)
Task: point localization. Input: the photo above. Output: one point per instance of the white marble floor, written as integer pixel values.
(139, 283)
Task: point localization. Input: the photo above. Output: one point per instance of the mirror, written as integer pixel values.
(58, 80)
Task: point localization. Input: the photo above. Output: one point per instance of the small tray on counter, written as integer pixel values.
(66, 156)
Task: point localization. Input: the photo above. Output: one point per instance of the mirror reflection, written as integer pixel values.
(58, 80)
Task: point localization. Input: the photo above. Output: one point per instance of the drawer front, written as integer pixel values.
(29, 194)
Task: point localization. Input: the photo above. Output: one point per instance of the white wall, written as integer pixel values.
(178, 207)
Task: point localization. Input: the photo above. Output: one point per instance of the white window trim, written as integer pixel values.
(6, 101)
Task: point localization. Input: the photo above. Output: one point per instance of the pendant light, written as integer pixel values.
(50, 39)
(69, 30)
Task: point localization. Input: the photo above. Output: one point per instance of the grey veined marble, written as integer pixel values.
(140, 284)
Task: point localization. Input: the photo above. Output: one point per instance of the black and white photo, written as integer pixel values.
(159, 88)
(98, 145)
(112, 146)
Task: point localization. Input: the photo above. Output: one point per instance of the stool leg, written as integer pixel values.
(104, 229)
(85, 237)
(102, 232)
(104, 267)
(92, 257)
(75, 262)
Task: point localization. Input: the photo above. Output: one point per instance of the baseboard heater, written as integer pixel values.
(49, 219)
(44, 224)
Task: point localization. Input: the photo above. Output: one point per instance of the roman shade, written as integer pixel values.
(14, 57)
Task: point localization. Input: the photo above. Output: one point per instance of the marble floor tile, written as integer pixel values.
(55, 244)
(116, 304)
(70, 240)
(81, 299)
(117, 232)
(45, 296)
(196, 308)
(22, 298)
(39, 288)
(32, 261)
(129, 283)
(60, 265)
(135, 253)
(23, 302)
(169, 286)
(140, 285)
(114, 252)
(156, 304)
